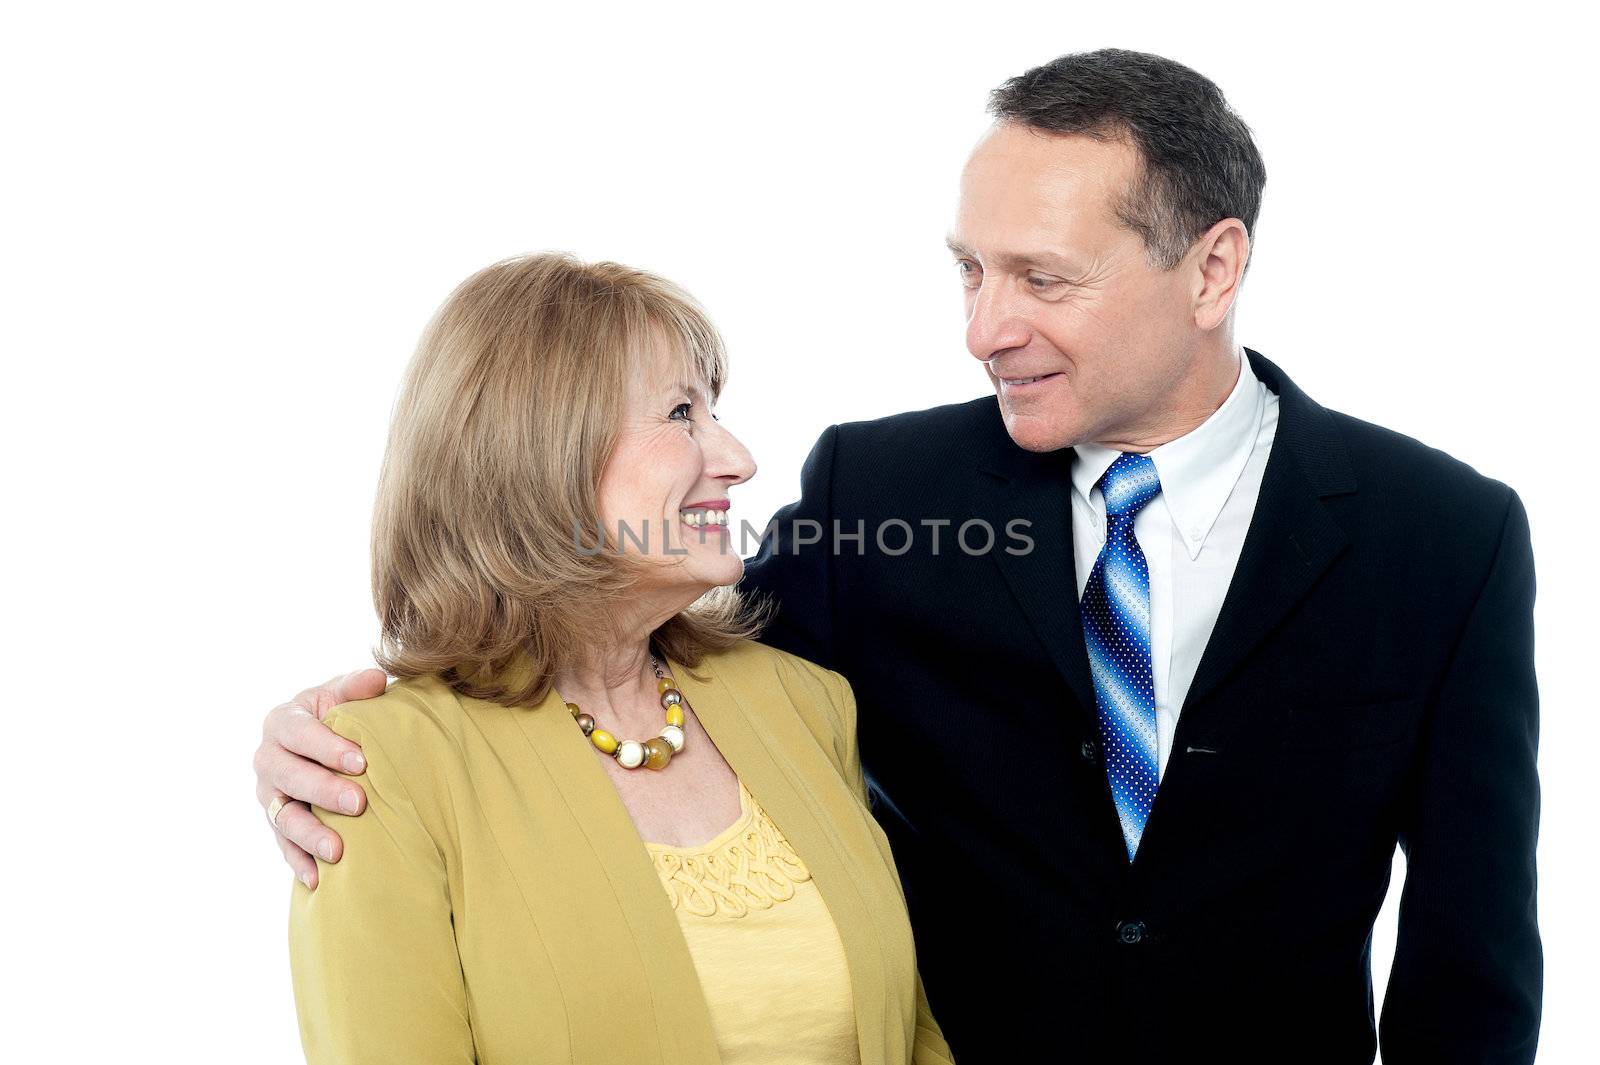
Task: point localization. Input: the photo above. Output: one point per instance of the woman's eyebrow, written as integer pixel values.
(683, 387)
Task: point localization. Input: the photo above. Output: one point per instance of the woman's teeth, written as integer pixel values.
(697, 518)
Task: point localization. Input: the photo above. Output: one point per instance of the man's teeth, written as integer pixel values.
(1022, 380)
(698, 518)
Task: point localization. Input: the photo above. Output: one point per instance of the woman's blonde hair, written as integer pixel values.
(485, 529)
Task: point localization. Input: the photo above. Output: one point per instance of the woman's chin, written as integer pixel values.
(716, 572)
(694, 570)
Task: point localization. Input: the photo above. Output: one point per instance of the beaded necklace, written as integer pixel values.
(653, 753)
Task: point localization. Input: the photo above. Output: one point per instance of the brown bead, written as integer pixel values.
(657, 753)
(586, 723)
(572, 708)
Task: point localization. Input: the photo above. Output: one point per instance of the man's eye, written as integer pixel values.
(1042, 284)
(681, 412)
(971, 276)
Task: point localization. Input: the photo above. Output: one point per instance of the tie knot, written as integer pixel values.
(1129, 484)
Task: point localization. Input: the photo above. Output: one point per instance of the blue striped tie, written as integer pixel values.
(1116, 631)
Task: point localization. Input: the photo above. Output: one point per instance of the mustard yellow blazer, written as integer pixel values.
(496, 904)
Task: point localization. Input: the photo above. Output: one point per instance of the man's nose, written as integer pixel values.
(993, 324)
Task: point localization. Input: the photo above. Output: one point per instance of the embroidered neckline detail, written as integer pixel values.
(748, 866)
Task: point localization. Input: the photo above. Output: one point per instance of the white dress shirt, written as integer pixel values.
(1191, 532)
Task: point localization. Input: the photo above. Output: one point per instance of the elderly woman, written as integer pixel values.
(603, 825)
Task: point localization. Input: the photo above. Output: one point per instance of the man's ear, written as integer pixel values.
(1217, 264)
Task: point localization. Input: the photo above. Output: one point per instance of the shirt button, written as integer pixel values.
(1089, 751)
(1130, 932)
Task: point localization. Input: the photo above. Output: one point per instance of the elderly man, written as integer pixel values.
(1145, 774)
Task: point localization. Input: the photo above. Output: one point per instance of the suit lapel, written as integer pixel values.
(1292, 540)
(1038, 488)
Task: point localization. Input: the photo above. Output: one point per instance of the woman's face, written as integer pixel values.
(664, 493)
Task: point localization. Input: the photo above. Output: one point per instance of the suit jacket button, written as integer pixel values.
(1089, 750)
(1130, 932)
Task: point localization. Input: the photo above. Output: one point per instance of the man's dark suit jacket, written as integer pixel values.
(1370, 680)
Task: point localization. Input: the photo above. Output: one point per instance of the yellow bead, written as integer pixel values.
(572, 708)
(665, 684)
(657, 753)
(675, 716)
(605, 741)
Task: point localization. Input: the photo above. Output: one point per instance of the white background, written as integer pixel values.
(225, 226)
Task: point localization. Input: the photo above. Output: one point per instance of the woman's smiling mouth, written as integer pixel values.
(705, 515)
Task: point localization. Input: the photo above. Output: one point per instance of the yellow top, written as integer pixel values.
(766, 949)
(496, 904)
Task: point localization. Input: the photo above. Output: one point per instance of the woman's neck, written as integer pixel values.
(616, 684)
(618, 667)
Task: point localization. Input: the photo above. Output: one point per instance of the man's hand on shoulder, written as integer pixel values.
(296, 762)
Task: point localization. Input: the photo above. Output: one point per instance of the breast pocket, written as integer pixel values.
(1353, 726)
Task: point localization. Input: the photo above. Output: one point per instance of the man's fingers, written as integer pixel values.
(295, 748)
(362, 684)
(305, 780)
(305, 868)
(300, 834)
(291, 727)
(300, 826)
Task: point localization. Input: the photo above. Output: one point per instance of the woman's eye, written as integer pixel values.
(681, 412)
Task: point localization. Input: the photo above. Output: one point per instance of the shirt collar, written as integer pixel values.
(1199, 469)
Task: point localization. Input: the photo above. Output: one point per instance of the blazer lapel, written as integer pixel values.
(729, 712)
(1292, 540)
(619, 905)
(1015, 483)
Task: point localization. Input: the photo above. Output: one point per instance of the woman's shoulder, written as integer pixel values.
(414, 714)
(755, 657)
(814, 690)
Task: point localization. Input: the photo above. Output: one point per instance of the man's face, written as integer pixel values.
(1084, 340)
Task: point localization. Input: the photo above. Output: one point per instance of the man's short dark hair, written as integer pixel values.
(1200, 163)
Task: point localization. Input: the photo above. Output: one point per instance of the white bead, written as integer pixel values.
(630, 754)
(673, 735)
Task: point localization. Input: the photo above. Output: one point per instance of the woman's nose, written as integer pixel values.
(729, 460)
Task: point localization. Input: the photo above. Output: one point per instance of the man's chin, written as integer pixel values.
(1037, 432)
